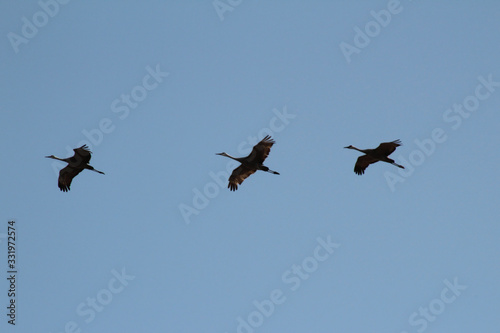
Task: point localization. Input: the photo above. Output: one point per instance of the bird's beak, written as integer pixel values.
(218, 153)
(346, 147)
(47, 156)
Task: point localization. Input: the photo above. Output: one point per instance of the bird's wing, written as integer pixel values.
(387, 148)
(66, 175)
(362, 163)
(84, 153)
(261, 150)
(238, 176)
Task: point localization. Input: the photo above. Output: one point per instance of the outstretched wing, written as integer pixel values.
(66, 175)
(387, 148)
(83, 154)
(261, 150)
(362, 163)
(238, 176)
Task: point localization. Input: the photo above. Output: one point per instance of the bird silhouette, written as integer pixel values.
(76, 163)
(251, 163)
(374, 155)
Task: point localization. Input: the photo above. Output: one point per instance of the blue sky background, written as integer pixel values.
(402, 236)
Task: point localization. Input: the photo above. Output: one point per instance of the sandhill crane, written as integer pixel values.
(76, 163)
(251, 163)
(374, 155)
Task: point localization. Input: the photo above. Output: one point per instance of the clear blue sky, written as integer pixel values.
(157, 88)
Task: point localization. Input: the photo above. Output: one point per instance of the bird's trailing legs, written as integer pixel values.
(89, 167)
(266, 169)
(400, 166)
(391, 161)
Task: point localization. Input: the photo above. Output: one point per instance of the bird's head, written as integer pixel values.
(349, 147)
(222, 154)
(50, 156)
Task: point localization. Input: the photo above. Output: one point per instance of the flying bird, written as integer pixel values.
(76, 163)
(251, 163)
(374, 155)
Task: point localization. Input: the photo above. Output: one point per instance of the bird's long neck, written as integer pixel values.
(57, 158)
(360, 150)
(232, 157)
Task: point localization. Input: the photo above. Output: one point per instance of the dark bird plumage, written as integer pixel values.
(251, 163)
(76, 163)
(374, 155)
